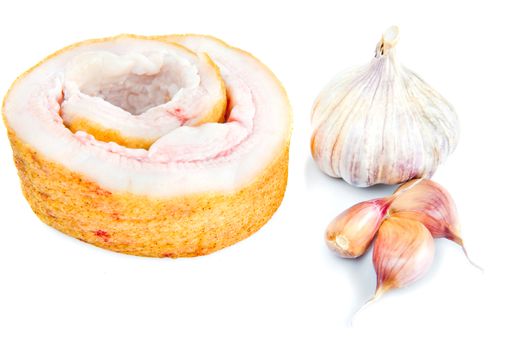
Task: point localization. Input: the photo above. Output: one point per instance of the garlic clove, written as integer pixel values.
(381, 123)
(426, 201)
(438, 229)
(403, 253)
(351, 232)
(429, 198)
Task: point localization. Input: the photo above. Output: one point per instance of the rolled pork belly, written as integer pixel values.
(164, 146)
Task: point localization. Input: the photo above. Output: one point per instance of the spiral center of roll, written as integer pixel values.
(136, 93)
(133, 82)
(136, 98)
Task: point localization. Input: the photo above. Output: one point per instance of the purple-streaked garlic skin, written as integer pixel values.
(351, 232)
(402, 254)
(429, 203)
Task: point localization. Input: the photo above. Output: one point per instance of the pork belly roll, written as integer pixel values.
(164, 146)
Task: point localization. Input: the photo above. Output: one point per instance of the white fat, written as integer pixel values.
(210, 140)
(211, 157)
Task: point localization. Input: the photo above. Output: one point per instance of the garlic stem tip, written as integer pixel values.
(477, 266)
(373, 299)
(391, 35)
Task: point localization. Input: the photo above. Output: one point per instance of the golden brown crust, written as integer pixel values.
(176, 227)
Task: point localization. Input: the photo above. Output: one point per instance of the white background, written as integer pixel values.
(282, 288)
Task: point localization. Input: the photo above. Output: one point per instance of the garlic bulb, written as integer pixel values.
(381, 123)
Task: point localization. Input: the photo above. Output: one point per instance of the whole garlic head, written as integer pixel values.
(381, 123)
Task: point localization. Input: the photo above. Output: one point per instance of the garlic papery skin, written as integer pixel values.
(403, 252)
(351, 232)
(381, 123)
